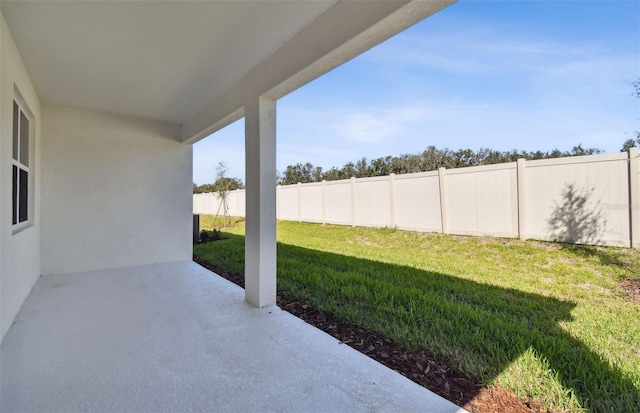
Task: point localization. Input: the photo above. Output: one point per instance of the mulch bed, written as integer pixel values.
(631, 289)
(434, 373)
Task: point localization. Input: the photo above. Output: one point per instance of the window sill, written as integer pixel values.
(18, 228)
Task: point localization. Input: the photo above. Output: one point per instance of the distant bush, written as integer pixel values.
(209, 236)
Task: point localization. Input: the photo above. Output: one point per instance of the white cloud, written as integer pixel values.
(368, 128)
(381, 125)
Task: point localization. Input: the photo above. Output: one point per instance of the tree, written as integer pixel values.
(630, 143)
(202, 189)
(348, 170)
(222, 186)
(579, 151)
(316, 174)
(381, 166)
(362, 169)
(633, 143)
(636, 88)
(299, 173)
(333, 174)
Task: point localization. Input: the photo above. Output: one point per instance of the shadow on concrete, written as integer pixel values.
(493, 326)
(578, 219)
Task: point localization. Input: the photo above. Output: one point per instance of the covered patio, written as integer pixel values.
(101, 308)
(177, 337)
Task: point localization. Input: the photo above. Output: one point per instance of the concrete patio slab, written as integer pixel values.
(176, 337)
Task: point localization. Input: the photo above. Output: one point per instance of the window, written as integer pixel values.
(21, 163)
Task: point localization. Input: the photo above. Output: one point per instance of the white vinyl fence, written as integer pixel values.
(586, 199)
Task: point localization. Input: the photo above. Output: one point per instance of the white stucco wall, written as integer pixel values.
(116, 191)
(2, 182)
(19, 252)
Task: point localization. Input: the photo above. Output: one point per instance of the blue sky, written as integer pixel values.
(504, 75)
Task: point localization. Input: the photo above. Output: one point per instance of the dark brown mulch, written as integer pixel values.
(631, 289)
(434, 373)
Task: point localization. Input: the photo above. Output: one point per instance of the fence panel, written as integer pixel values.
(311, 202)
(583, 200)
(236, 203)
(205, 203)
(287, 203)
(481, 200)
(372, 202)
(338, 205)
(417, 202)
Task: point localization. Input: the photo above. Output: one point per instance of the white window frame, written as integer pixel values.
(18, 155)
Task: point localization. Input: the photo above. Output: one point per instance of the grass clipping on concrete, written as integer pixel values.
(546, 321)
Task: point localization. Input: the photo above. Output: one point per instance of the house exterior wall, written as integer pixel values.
(116, 191)
(19, 251)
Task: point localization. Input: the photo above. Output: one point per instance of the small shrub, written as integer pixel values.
(209, 236)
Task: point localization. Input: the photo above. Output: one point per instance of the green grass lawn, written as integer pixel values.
(218, 221)
(547, 321)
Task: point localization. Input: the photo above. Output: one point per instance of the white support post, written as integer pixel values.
(443, 200)
(522, 199)
(634, 197)
(392, 196)
(260, 238)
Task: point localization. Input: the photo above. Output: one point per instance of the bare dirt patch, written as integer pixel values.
(434, 373)
(365, 242)
(631, 289)
(589, 286)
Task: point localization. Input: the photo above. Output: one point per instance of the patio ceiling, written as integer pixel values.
(193, 63)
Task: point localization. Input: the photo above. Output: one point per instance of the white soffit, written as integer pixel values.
(194, 62)
(152, 59)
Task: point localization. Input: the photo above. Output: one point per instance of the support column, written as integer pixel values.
(260, 169)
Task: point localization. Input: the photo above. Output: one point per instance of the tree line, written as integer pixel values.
(226, 184)
(429, 160)
(223, 183)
